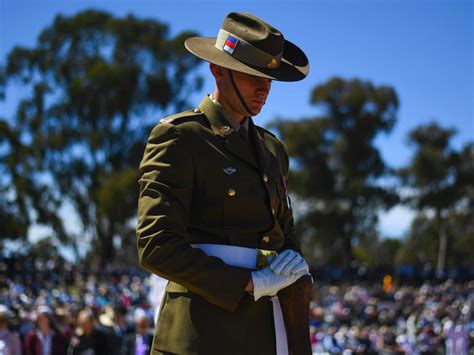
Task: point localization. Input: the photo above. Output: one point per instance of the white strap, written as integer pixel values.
(280, 331)
(231, 254)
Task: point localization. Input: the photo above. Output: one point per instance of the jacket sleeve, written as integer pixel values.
(30, 343)
(285, 219)
(166, 188)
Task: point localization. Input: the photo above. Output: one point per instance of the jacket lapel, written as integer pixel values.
(264, 155)
(233, 143)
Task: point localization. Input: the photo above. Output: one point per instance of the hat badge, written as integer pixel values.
(230, 44)
(272, 64)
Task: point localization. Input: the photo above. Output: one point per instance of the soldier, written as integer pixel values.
(214, 216)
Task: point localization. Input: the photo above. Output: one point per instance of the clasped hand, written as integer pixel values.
(284, 270)
(288, 262)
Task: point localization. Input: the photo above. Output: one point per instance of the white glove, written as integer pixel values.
(267, 283)
(288, 262)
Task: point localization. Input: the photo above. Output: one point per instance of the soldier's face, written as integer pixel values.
(254, 91)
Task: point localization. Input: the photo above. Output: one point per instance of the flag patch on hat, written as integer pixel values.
(229, 45)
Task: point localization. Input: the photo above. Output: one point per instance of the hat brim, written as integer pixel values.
(294, 65)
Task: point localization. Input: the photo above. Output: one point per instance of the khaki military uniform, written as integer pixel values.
(203, 183)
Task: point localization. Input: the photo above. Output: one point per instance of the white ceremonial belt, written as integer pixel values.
(251, 258)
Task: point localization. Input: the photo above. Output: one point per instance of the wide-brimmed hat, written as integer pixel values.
(249, 45)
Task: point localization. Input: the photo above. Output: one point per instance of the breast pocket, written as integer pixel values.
(238, 198)
(244, 202)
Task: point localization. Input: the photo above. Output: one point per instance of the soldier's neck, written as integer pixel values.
(236, 115)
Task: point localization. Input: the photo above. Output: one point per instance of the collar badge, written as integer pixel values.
(225, 130)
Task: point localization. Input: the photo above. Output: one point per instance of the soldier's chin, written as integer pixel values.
(256, 108)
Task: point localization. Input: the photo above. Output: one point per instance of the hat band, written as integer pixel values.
(245, 52)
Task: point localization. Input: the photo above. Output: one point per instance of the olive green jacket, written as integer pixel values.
(202, 183)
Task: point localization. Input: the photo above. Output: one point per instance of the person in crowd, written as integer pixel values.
(9, 341)
(427, 340)
(388, 344)
(45, 338)
(113, 322)
(64, 321)
(88, 339)
(456, 333)
(139, 342)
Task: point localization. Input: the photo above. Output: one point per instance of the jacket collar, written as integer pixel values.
(233, 142)
(218, 122)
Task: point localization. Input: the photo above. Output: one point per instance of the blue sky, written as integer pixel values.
(424, 49)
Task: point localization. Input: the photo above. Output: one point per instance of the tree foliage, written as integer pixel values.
(336, 166)
(96, 85)
(421, 244)
(13, 211)
(441, 181)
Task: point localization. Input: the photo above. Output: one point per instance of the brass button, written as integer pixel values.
(266, 239)
(265, 177)
(231, 192)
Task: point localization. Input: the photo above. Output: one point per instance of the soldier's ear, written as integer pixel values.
(216, 71)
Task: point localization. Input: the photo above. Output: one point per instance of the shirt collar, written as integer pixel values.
(229, 118)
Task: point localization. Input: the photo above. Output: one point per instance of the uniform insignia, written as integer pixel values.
(272, 64)
(225, 130)
(230, 170)
(181, 116)
(229, 45)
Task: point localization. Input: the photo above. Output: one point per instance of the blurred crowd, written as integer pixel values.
(55, 307)
(385, 319)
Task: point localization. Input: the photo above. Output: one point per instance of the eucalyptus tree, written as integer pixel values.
(441, 181)
(337, 167)
(95, 84)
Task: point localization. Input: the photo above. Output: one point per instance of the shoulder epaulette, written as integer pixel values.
(181, 117)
